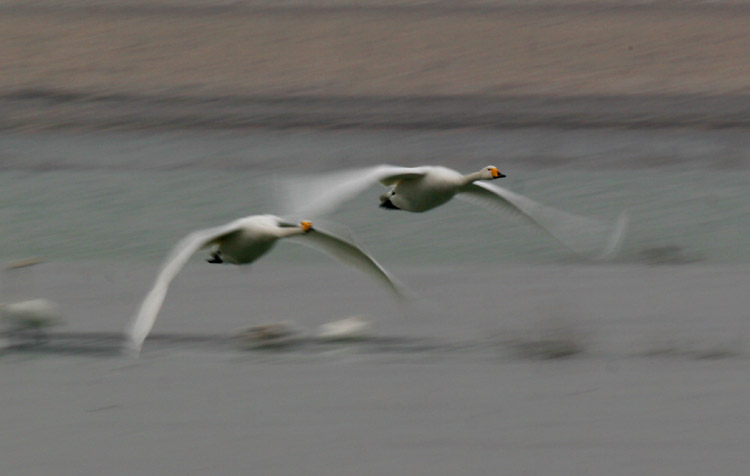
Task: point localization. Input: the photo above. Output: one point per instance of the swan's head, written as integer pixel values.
(307, 226)
(491, 173)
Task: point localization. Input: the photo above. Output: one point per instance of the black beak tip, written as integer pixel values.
(501, 175)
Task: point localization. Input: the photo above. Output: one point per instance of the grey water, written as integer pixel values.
(518, 357)
(134, 194)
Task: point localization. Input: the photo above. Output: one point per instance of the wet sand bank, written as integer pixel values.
(178, 64)
(53, 109)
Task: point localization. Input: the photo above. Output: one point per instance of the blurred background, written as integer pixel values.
(124, 125)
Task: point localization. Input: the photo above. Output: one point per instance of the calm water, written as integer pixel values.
(131, 196)
(463, 382)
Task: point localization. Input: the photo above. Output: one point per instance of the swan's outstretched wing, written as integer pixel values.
(180, 254)
(318, 195)
(351, 254)
(584, 236)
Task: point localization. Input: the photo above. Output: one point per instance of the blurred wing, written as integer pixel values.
(321, 194)
(584, 236)
(178, 257)
(352, 255)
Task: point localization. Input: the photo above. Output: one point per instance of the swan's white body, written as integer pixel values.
(241, 242)
(427, 190)
(350, 328)
(419, 189)
(27, 314)
(31, 314)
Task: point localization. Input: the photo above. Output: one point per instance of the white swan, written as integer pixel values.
(241, 242)
(28, 315)
(418, 189)
(350, 328)
(31, 314)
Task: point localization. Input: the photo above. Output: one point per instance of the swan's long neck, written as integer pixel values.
(470, 178)
(291, 231)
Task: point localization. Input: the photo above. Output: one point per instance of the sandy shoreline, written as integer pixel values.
(182, 65)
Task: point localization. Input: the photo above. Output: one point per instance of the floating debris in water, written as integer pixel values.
(667, 255)
(24, 263)
(268, 335)
(698, 348)
(555, 338)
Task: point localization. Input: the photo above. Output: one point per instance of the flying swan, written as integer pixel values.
(419, 189)
(241, 242)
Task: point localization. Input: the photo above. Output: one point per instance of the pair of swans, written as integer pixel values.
(414, 189)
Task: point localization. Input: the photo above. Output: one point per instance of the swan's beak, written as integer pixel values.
(307, 226)
(496, 174)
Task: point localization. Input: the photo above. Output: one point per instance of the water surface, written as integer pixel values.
(518, 358)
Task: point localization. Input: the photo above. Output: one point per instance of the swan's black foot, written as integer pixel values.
(387, 203)
(215, 257)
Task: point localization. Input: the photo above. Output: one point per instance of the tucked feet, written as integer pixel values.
(385, 201)
(388, 204)
(215, 257)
